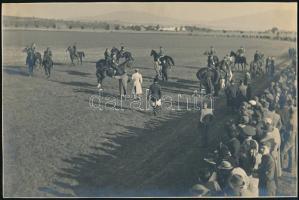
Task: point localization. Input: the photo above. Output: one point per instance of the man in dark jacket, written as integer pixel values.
(266, 171)
(232, 94)
(155, 94)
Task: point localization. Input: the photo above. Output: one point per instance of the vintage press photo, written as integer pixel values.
(149, 99)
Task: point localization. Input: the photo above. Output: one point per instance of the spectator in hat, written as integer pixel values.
(266, 171)
(208, 179)
(272, 136)
(248, 149)
(224, 171)
(289, 148)
(234, 144)
(241, 184)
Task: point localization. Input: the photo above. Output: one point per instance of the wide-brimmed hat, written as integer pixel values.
(252, 102)
(199, 189)
(210, 161)
(249, 130)
(225, 165)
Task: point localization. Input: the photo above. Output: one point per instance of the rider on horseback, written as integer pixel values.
(122, 50)
(211, 54)
(212, 51)
(108, 58)
(48, 56)
(161, 54)
(256, 56)
(33, 46)
(241, 51)
(75, 49)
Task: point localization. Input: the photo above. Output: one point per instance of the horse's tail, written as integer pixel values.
(170, 59)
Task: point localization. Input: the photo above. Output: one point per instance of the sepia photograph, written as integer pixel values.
(149, 99)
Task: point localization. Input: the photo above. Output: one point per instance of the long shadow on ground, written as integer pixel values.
(15, 70)
(158, 160)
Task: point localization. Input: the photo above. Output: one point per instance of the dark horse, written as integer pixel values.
(126, 55)
(239, 60)
(165, 63)
(119, 72)
(48, 65)
(73, 55)
(209, 78)
(81, 55)
(37, 57)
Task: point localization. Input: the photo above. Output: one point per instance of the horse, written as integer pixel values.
(81, 55)
(162, 67)
(103, 70)
(48, 65)
(127, 55)
(166, 63)
(209, 78)
(239, 60)
(37, 57)
(73, 55)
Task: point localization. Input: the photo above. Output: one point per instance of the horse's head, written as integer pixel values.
(232, 53)
(153, 52)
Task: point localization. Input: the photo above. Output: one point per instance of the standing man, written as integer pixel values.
(137, 88)
(30, 61)
(266, 171)
(272, 67)
(155, 94)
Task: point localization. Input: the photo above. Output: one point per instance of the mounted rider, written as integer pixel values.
(121, 52)
(211, 53)
(161, 54)
(257, 56)
(108, 58)
(48, 56)
(241, 52)
(33, 46)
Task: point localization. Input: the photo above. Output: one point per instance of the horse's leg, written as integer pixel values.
(166, 75)
(124, 84)
(120, 86)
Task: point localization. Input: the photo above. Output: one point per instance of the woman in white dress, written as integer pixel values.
(137, 81)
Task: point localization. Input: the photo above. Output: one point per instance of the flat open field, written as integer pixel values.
(56, 144)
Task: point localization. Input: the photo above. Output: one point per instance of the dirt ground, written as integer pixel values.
(56, 144)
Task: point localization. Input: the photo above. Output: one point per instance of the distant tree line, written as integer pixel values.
(31, 22)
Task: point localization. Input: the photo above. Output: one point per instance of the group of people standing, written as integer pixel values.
(260, 145)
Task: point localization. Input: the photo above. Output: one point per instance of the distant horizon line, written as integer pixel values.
(218, 28)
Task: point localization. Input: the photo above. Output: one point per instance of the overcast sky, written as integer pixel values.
(177, 10)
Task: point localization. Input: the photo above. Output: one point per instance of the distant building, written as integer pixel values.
(172, 28)
(167, 29)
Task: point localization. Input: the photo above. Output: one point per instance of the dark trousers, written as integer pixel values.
(30, 69)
